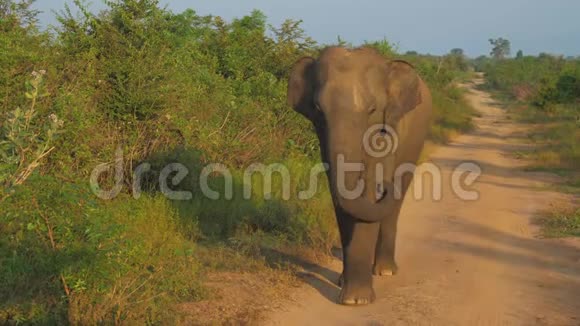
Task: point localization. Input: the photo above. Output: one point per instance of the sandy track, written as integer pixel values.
(465, 262)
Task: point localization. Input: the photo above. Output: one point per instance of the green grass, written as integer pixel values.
(572, 186)
(562, 223)
(133, 260)
(452, 115)
(67, 257)
(557, 138)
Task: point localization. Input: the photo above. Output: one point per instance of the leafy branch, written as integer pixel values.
(24, 143)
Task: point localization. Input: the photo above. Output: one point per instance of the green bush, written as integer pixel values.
(451, 116)
(120, 261)
(544, 80)
(548, 88)
(24, 142)
(565, 88)
(23, 48)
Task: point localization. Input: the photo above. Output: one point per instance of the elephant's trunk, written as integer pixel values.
(362, 184)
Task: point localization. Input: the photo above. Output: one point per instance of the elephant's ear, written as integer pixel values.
(301, 87)
(403, 89)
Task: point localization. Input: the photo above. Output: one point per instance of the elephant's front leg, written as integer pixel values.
(385, 264)
(358, 251)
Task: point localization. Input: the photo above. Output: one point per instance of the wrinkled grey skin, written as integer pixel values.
(343, 93)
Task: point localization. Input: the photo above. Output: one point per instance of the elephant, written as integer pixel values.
(345, 93)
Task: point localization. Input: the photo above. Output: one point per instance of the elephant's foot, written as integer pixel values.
(385, 269)
(356, 295)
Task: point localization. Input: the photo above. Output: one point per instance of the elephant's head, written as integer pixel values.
(350, 96)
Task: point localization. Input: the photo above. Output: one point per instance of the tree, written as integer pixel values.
(480, 63)
(384, 47)
(341, 42)
(22, 47)
(17, 13)
(256, 21)
(456, 59)
(457, 52)
(520, 54)
(291, 43)
(501, 48)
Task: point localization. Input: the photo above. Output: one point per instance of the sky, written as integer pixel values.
(426, 26)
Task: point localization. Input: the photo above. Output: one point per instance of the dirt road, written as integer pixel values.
(465, 262)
